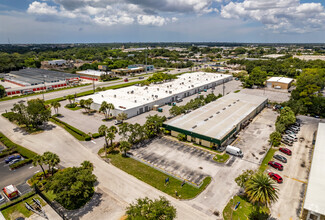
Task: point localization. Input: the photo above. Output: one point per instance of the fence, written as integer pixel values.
(56, 207)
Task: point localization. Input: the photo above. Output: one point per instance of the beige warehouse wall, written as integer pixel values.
(174, 133)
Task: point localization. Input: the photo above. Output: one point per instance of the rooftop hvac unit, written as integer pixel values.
(229, 105)
(194, 126)
(224, 109)
(170, 92)
(211, 116)
(135, 101)
(114, 96)
(206, 119)
(237, 100)
(102, 96)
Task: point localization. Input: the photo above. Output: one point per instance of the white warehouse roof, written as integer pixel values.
(218, 118)
(93, 72)
(280, 80)
(315, 195)
(135, 96)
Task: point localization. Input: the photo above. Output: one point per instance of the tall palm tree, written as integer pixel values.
(103, 130)
(70, 98)
(261, 189)
(111, 133)
(110, 107)
(104, 108)
(39, 160)
(88, 103)
(56, 105)
(125, 146)
(52, 160)
(87, 165)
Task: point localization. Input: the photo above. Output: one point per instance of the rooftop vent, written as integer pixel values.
(229, 105)
(211, 116)
(217, 112)
(114, 96)
(194, 126)
(224, 109)
(206, 119)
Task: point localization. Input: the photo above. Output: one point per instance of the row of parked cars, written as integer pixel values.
(289, 137)
(12, 159)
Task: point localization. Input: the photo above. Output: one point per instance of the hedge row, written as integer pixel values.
(96, 135)
(80, 135)
(7, 152)
(21, 150)
(20, 163)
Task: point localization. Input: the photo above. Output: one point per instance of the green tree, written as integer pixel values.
(275, 138)
(244, 177)
(103, 131)
(87, 165)
(125, 146)
(56, 105)
(123, 130)
(151, 210)
(71, 98)
(88, 103)
(256, 77)
(154, 122)
(73, 186)
(2, 91)
(39, 160)
(121, 116)
(261, 189)
(287, 116)
(280, 127)
(106, 108)
(176, 110)
(51, 159)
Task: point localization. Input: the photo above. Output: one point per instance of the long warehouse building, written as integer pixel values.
(314, 205)
(215, 123)
(135, 100)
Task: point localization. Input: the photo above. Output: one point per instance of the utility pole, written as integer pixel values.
(44, 87)
(146, 60)
(94, 84)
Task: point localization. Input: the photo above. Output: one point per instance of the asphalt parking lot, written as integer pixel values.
(17, 177)
(176, 158)
(295, 172)
(254, 139)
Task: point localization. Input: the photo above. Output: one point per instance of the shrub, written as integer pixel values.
(87, 138)
(181, 137)
(20, 164)
(7, 152)
(21, 150)
(96, 135)
(9, 115)
(71, 105)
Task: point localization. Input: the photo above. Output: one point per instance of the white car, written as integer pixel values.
(14, 161)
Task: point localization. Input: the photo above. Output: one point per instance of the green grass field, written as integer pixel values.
(242, 212)
(221, 158)
(156, 178)
(267, 158)
(74, 109)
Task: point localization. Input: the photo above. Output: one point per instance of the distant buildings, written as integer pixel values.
(57, 62)
(92, 74)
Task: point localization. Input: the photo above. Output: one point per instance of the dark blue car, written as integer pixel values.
(10, 158)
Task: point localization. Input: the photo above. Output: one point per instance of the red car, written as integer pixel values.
(285, 151)
(276, 165)
(275, 177)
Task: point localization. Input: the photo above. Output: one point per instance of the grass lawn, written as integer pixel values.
(208, 148)
(242, 212)
(74, 109)
(156, 178)
(13, 211)
(267, 158)
(236, 91)
(221, 158)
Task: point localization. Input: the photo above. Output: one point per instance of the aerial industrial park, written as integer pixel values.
(162, 110)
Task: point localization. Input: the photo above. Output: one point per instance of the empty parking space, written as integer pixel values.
(177, 158)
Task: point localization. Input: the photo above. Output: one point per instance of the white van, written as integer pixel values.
(234, 151)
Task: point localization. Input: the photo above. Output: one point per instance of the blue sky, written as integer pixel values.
(83, 21)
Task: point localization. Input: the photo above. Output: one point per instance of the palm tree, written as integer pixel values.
(88, 103)
(70, 98)
(39, 160)
(103, 130)
(122, 116)
(51, 159)
(111, 134)
(56, 105)
(261, 189)
(123, 130)
(110, 107)
(104, 108)
(125, 146)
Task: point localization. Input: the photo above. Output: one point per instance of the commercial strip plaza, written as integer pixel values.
(215, 123)
(134, 100)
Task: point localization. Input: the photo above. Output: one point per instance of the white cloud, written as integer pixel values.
(280, 16)
(41, 8)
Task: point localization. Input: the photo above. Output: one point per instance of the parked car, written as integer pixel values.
(126, 80)
(276, 165)
(295, 127)
(290, 143)
(289, 132)
(293, 137)
(12, 157)
(117, 122)
(275, 177)
(280, 158)
(14, 161)
(285, 151)
(21, 101)
(294, 130)
(141, 77)
(287, 138)
(297, 124)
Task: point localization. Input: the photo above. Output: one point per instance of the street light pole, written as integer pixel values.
(44, 87)
(146, 59)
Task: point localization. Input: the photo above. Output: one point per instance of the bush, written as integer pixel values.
(21, 150)
(96, 135)
(71, 128)
(71, 105)
(20, 164)
(87, 138)
(7, 152)
(9, 115)
(181, 137)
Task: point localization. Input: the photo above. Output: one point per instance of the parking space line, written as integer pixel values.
(301, 181)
